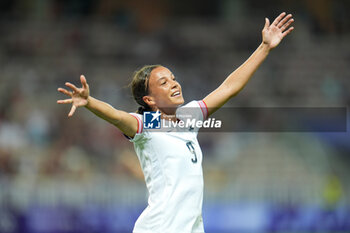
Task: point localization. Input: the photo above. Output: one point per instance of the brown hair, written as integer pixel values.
(139, 86)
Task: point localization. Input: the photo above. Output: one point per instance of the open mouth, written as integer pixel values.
(175, 94)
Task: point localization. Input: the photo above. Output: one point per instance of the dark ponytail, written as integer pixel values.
(142, 109)
(139, 86)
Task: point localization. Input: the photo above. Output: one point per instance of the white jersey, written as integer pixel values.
(172, 166)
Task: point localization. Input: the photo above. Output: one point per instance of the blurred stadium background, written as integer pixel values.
(81, 175)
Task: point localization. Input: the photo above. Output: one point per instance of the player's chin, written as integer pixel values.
(177, 100)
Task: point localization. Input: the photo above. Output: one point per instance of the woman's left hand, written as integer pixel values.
(273, 34)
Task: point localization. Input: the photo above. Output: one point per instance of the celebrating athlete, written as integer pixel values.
(172, 161)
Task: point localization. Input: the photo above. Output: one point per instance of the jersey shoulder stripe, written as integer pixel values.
(139, 122)
(204, 108)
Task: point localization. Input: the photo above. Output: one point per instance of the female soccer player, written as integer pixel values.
(171, 161)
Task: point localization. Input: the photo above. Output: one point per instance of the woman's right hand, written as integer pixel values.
(78, 96)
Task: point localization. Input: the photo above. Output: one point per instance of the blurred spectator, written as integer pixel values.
(8, 166)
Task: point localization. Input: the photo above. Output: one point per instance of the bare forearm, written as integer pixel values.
(121, 119)
(235, 82)
(103, 110)
(272, 35)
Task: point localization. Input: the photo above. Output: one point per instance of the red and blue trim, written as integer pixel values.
(139, 122)
(204, 108)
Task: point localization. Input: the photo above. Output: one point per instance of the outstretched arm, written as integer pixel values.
(272, 35)
(80, 97)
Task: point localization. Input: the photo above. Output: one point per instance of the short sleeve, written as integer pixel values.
(140, 129)
(204, 108)
(196, 109)
(139, 121)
